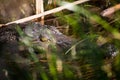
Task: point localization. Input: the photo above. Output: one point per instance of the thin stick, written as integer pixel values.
(47, 12)
(110, 11)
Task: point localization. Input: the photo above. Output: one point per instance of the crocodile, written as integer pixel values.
(37, 34)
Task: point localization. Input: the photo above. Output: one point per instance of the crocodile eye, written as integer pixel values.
(43, 39)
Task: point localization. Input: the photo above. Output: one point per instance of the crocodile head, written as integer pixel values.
(45, 35)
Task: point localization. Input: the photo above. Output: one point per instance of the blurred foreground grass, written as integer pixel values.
(86, 59)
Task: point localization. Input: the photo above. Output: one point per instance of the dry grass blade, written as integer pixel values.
(40, 9)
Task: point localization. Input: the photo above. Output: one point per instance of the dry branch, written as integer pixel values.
(110, 11)
(47, 12)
